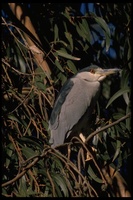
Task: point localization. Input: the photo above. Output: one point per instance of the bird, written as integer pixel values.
(75, 103)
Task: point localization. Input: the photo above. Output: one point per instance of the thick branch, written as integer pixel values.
(25, 20)
(116, 182)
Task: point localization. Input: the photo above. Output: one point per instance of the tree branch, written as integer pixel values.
(106, 127)
(25, 20)
(36, 159)
(116, 182)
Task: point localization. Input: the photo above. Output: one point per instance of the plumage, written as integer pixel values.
(75, 103)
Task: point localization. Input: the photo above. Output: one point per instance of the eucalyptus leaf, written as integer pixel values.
(9, 151)
(66, 55)
(28, 152)
(71, 66)
(22, 190)
(62, 42)
(35, 142)
(80, 32)
(118, 115)
(12, 117)
(58, 163)
(40, 85)
(39, 73)
(118, 129)
(124, 79)
(117, 94)
(45, 124)
(128, 120)
(57, 63)
(62, 77)
(61, 183)
(118, 148)
(56, 36)
(93, 175)
(69, 38)
(123, 126)
(22, 64)
(86, 26)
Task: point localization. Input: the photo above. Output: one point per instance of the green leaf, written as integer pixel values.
(66, 55)
(124, 84)
(65, 26)
(57, 63)
(60, 181)
(62, 77)
(118, 129)
(56, 36)
(93, 175)
(69, 38)
(43, 172)
(35, 142)
(62, 42)
(40, 86)
(105, 156)
(45, 124)
(80, 32)
(12, 117)
(128, 120)
(126, 98)
(112, 132)
(71, 66)
(28, 152)
(86, 47)
(22, 189)
(31, 192)
(123, 126)
(117, 115)
(57, 163)
(9, 151)
(86, 26)
(119, 161)
(85, 30)
(19, 59)
(40, 73)
(124, 78)
(117, 94)
(22, 64)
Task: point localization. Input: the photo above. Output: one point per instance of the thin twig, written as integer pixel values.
(106, 127)
(71, 164)
(90, 154)
(52, 184)
(37, 158)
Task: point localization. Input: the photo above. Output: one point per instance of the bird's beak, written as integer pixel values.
(106, 72)
(103, 73)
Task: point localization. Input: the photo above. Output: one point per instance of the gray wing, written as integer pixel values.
(58, 104)
(77, 102)
(72, 104)
(62, 97)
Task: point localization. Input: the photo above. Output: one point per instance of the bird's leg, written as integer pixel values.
(82, 137)
(88, 157)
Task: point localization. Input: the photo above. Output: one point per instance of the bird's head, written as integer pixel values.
(95, 73)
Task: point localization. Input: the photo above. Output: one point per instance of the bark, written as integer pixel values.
(116, 182)
(37, 53)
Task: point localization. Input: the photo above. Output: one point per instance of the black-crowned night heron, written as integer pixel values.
(75, 103)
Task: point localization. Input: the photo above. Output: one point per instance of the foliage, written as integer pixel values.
(71, 41)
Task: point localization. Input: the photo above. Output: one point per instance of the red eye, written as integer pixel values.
(92, 71)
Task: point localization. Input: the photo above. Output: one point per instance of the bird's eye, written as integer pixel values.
(92, 71)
